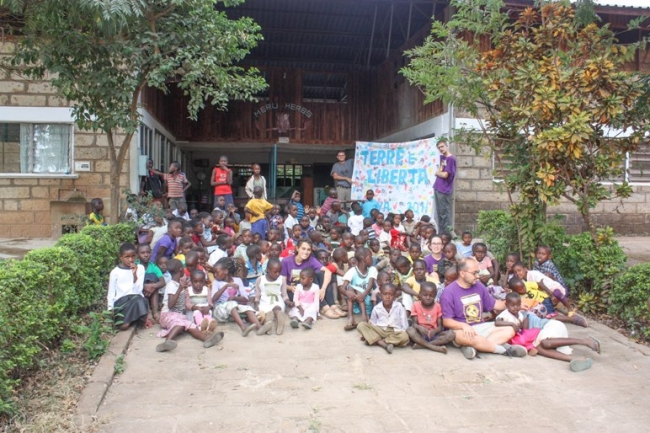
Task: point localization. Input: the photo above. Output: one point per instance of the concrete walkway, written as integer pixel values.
(326, 380)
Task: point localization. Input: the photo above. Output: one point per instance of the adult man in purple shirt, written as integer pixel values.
(463, 303)
(443, 187)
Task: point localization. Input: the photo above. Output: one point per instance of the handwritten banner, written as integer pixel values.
(400, 174)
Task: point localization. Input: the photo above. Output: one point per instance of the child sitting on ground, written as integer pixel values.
(357, 284)
(172, 317)
(451, 275)
(448, 261)
(388, 325)
(511, 259)
(464, 247)
(515, 317)
(125, 297)
(153, 280)
(486, 271)
(427, 330)
(228, 303)
(305, 300)
(197, 302)
(271, 296)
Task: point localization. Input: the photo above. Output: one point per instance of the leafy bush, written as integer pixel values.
(43, 294)
(497, 229)
(629, 299)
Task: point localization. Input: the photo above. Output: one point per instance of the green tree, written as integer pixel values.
(553, 97)
(101, 54)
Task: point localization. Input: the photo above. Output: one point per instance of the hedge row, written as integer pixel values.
(43, 294)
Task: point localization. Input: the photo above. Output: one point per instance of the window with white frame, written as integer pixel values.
(35, 148)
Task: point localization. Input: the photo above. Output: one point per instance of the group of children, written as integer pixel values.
(193, 270)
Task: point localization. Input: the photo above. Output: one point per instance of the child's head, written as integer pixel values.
(370, 194)
(511, 259)
(429, 231)
(394, 255)
(335, 233)
(359, 242)
(275, 210)
(387, 226)
(127, 254)
(191, 260)
(256, 238)
(379, 219)
(450, 251)
(336, 206)
(408, 215)
(275, 250)
(466, 237)
(479, 250)
(206, 219)
(312, 213)
(347, 240)
(367, 223)
(229, 222)
(397, 220)
(428, 292)
(258, 191)
(332, 193)
(374, 245)
(224, 268)
(174, 167)
(181, 209)
(174, 267)
(388, 293)
(217, 217)
(435, 244)
(264, 246)
(231, 208)
(97, 205)
(315, 237)
(224, 242)
(220, 202)
(304, 221)
(340, 255)
(161, 262)
(513, 303)
(451, 275)
(293, 210)
(325, 221)
(520, 270)
(419, 269)
(307, 277)
(197, 278)
(185, 245)
(194, 213)
(246, 237)
(254, 253)
(402, 265)
(356, 208)
(187, 228)
(364, 234)
(323, 257)
(415, 251)
(273, 269)
(543, 253)
(197, 226)
(273, 235)
(256, 169)
(223, 161)
(175, 228)
(200, 252)
(517, 285)
(296, 231)
(363, 256)
(425, 219)
(144, 253)
(383, 277)
(446, 239)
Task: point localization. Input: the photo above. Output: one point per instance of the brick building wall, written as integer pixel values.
(33, 205)
(475, 190)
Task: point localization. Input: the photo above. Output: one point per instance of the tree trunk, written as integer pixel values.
(117, 157)
(586, 216)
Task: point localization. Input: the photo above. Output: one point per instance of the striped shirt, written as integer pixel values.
(175, 185)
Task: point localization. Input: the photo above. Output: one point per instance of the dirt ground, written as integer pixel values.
(326, 380)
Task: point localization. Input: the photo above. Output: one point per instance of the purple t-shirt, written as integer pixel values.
(466, 305)
(446, 185)
(167, 242)
(291, 270)
(430, 261)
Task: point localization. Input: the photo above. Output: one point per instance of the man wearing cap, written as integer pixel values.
(342, 174)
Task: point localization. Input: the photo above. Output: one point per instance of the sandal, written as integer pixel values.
(330, 313)
(597, 343)
(579, 321)
(338, 310)
(350, 327)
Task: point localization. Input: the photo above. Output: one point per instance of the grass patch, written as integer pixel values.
(119, 365)
(363, 386)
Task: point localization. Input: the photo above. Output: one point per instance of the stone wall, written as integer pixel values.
(27, 201)
(475, 190)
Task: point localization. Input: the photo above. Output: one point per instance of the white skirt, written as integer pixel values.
(554, 329)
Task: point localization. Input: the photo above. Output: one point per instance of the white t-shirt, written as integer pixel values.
(357, 281)
(355, 222)
(216, 255)
(508, 317)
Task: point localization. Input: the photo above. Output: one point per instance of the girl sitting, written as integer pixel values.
(305, 300)
(197, 302)
(271, 295)
(172, 316)
(125, 297)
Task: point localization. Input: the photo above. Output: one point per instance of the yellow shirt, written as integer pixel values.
(415, 285)
(258, 206)
(533, 292)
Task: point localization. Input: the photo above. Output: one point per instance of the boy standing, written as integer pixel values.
(443, 187)
(258, 208)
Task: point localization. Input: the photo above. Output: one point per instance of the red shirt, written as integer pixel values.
(220, 176)
(426, 318)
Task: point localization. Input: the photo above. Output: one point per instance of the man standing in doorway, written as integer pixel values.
(444, 186)
(342, 174)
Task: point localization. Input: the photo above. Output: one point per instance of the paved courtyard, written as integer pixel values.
(326, 380)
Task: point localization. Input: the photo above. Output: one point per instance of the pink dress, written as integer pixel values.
(309, 300)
